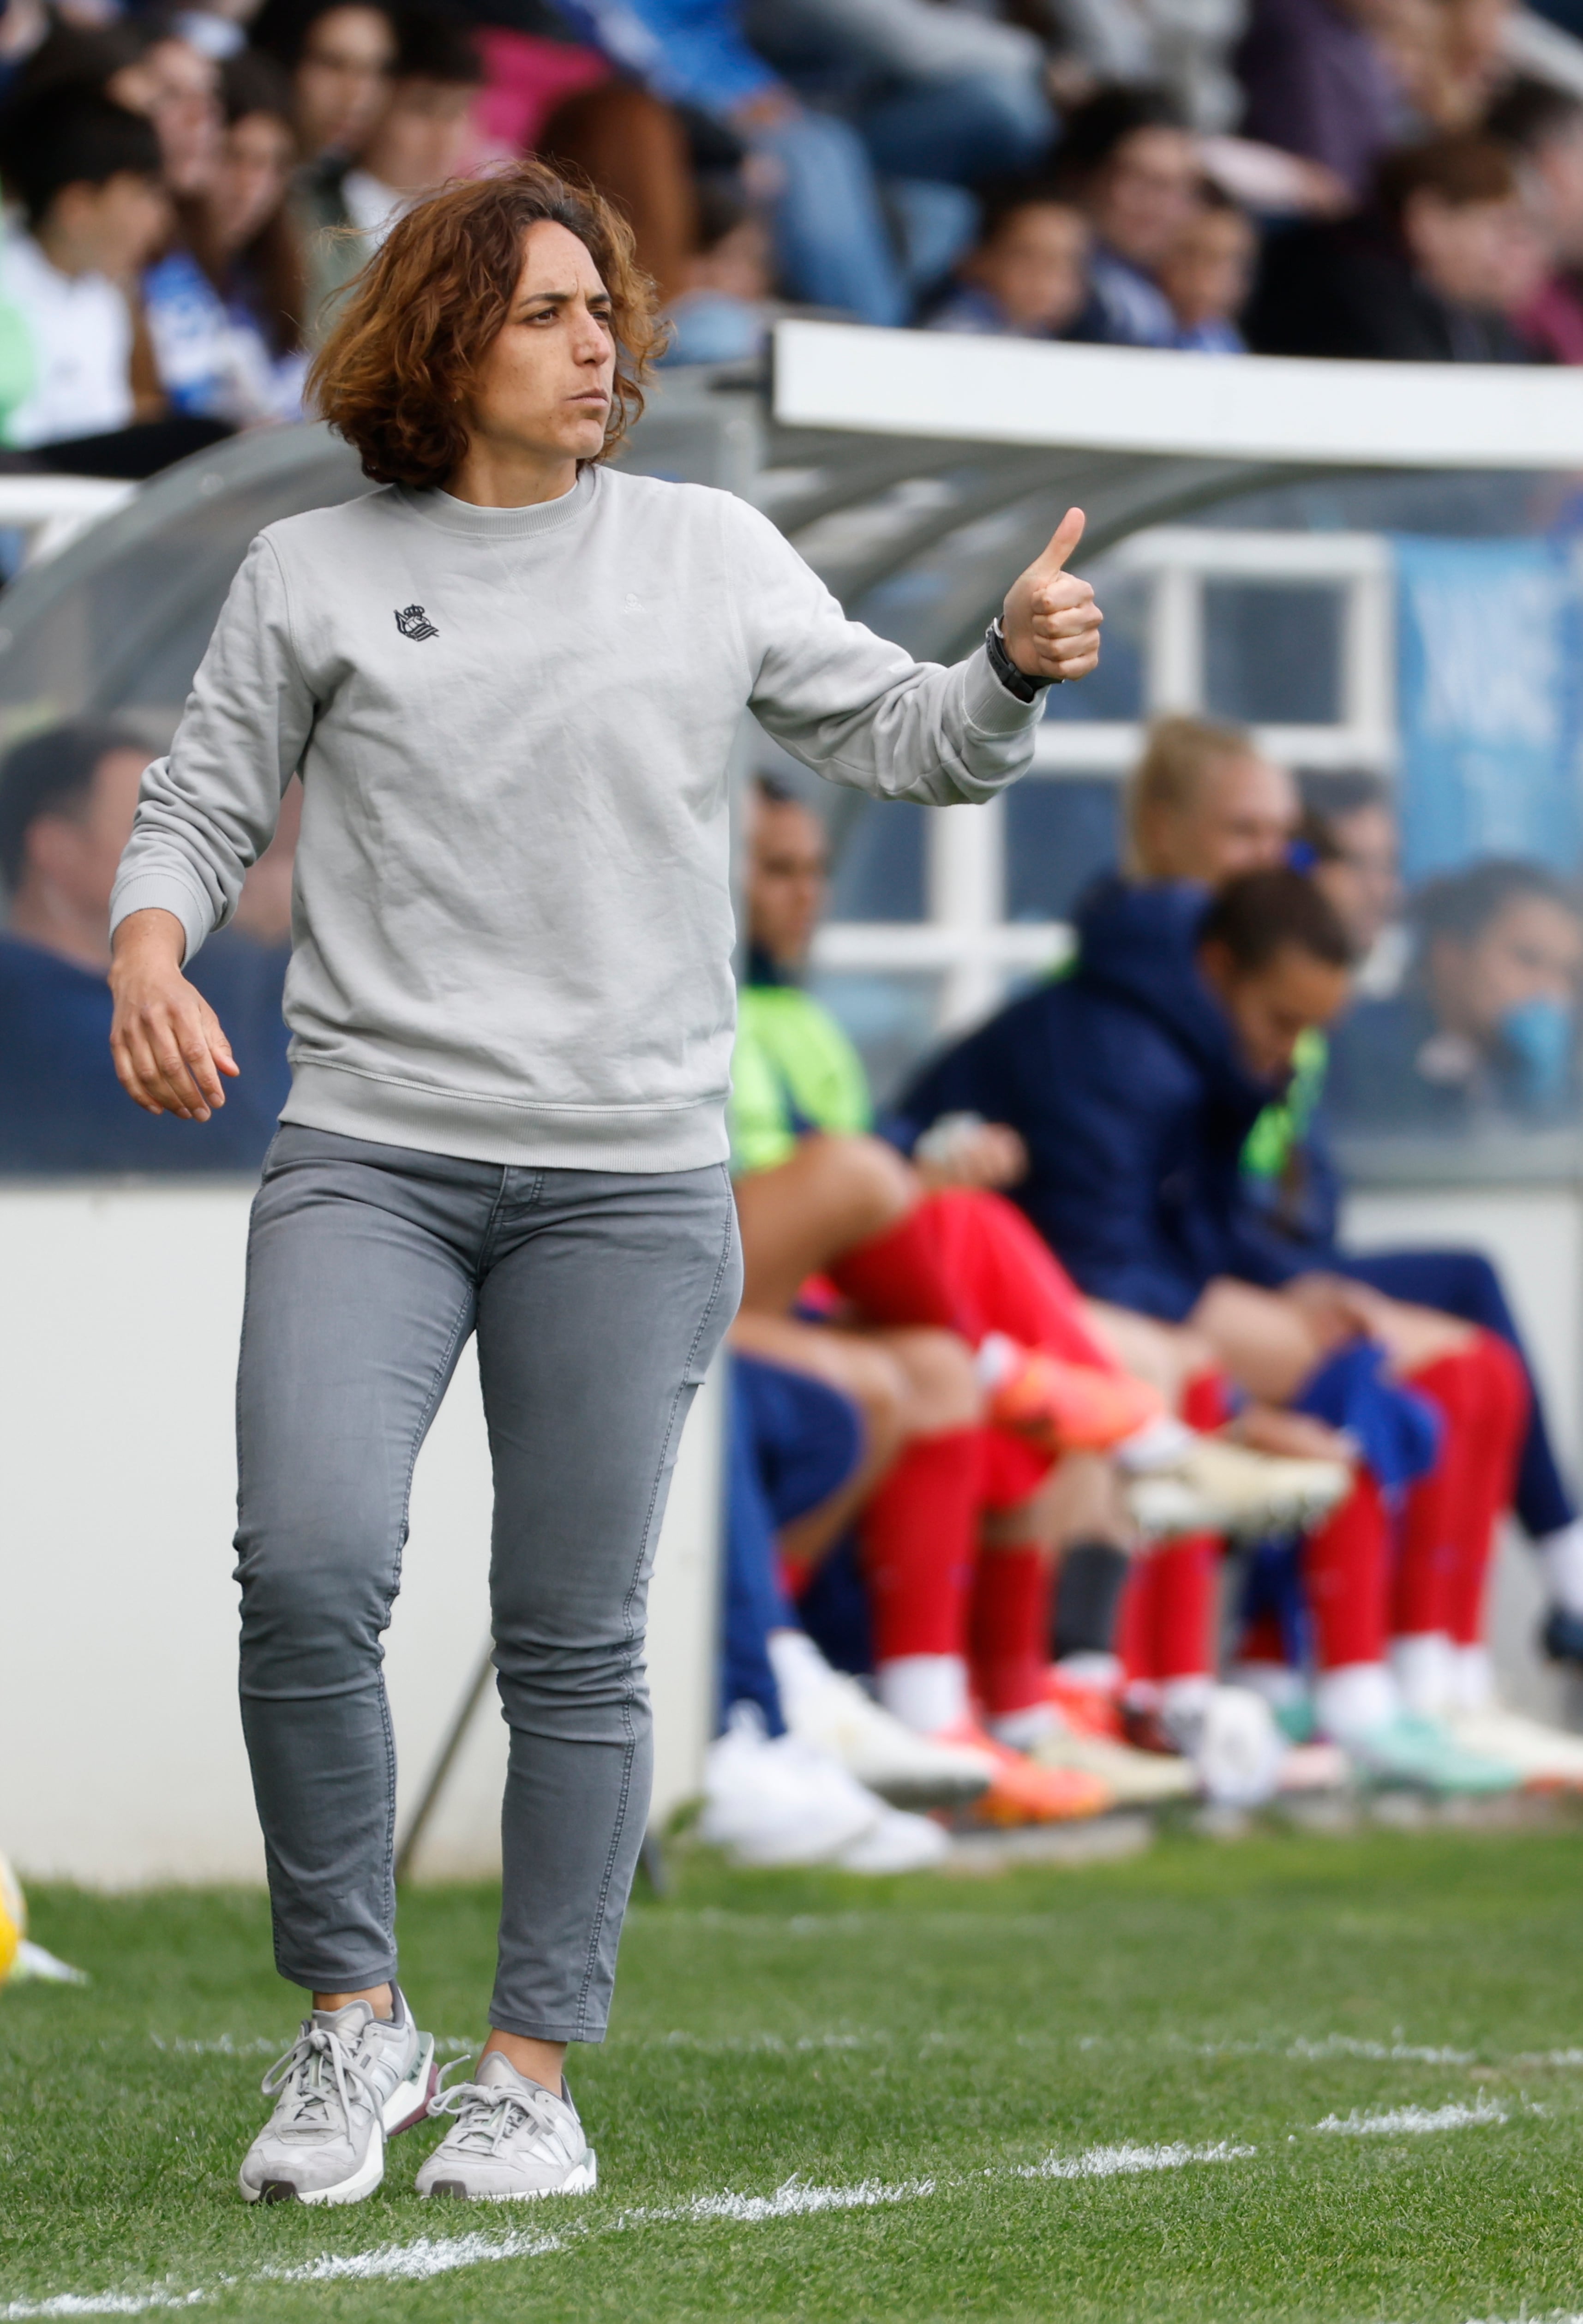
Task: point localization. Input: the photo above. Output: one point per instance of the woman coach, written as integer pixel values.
(511, 678)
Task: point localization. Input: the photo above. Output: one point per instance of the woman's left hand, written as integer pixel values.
(1050, 620)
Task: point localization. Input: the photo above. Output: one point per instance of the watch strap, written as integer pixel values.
(1015, 681)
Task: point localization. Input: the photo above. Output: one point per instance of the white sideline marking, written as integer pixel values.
(104, 2303)
(1393, 2121)
(1116, 2162)
(1348, 2045)
(431, 2256)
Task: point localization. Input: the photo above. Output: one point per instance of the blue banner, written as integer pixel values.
(1489, 663)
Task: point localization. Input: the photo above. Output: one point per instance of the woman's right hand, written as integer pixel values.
(165, 1041)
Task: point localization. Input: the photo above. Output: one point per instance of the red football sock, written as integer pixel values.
(1168, 1608)
(1010, 1626)
(1420, 1585)
(1449, 1525)
(919, 1536)
(1500, 1405)
(970, 1262)
(1207, 1402)
(1346, 1572)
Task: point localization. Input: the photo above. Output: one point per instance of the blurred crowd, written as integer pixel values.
(1074, 1458)
(188, 189)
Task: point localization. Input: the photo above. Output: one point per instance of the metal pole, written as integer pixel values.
(456, 1735)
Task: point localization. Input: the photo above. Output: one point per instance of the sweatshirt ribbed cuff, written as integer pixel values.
(992, 708)
(163, 891)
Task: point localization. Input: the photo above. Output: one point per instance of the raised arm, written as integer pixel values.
(860, 711)
(206, 813)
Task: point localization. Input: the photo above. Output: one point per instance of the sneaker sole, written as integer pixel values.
(581, 2179)
(915, 1791)
(363, 2181)
(407, 2105)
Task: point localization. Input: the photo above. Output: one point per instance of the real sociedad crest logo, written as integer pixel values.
(414, 623)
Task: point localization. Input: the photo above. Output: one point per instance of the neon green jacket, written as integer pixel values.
(793, 1070)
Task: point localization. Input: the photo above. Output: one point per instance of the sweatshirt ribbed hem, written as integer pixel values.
(646, 1140)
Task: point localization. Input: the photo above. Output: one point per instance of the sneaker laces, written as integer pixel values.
(318, 2067)
(487, 2112)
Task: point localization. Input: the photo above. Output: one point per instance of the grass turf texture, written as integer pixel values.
(901, 2032)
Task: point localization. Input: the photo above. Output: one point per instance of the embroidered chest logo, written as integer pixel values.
(414, 623)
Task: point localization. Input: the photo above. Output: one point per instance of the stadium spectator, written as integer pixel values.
(1206, 275)
(1321, 83)
(1025, 276)
(67, 800)
(1135, 167)
(418, 139)
(84, 174)
(1432, 273)
(226, 304)
(932, 102)
(177, 86)
(1487, 1026)
(340, 59)
(1544, 128)
(724, 309)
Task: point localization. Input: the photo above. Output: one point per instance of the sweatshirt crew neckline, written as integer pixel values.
(448, 514)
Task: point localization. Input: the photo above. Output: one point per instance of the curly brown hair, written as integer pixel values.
(393, 374)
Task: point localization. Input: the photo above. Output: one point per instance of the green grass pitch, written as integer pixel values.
(1077, 2094)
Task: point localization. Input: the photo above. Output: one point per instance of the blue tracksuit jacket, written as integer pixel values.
(1124, 1083)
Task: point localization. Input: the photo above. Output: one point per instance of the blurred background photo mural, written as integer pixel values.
(1489, 702)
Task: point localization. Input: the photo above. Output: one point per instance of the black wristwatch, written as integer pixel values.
(1015, 681)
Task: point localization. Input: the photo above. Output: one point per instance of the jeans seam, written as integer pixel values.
(439, 1381)
(529, 1199)
(629, 1747)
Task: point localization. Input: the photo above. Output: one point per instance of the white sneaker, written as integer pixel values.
(898, 1842)
(1139, 1779)
(513, 2140)
(1236, 1750)
(781, 1802)
(1221, 1488)
(1547, 1758)
(348, 2083)
(833, 1714)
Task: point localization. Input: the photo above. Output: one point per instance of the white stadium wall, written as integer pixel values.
(121, 1757)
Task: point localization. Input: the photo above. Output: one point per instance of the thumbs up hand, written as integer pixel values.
(1051, 622)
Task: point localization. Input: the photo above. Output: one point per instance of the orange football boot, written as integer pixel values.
(1021, 1792)
(1070, 1407)
(1087, 1709)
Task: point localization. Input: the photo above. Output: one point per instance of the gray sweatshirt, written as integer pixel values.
(511, 915)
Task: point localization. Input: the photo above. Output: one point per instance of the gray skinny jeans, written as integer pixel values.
(598, 1298)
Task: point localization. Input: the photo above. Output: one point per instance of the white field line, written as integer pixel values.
(431, 2256)
(268, 2045)
(1348, 2045)
(1394, 2122)
(1119, 2161)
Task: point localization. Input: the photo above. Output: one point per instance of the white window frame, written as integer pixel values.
(965, 938)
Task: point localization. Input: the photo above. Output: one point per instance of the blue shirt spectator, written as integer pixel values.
(1136, 172)
(1025, 276)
